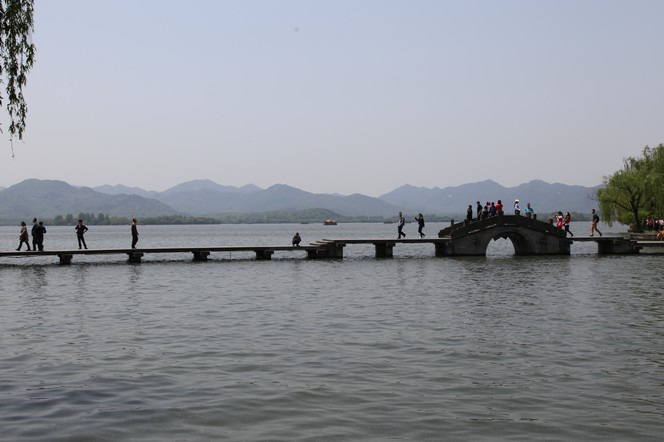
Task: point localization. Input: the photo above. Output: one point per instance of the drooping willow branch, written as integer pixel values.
(17, 52)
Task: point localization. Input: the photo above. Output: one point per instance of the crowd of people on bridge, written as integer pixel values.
(491, 208)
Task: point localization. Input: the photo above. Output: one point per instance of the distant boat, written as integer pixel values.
(304, 222)
(330, 222)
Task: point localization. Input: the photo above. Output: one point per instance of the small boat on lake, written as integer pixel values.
(330, 222)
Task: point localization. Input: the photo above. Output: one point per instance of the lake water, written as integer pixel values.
(414, 348)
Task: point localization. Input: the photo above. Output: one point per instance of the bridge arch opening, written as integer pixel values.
(521, 244)
(500, 247)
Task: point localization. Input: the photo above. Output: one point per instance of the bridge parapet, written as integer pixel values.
(466, 228)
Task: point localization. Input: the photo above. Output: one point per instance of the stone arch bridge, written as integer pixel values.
(528, 235)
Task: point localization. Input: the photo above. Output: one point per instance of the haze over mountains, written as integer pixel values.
(47, 198)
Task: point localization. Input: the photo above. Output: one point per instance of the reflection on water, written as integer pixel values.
(410, 348)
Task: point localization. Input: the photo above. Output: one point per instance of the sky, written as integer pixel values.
(338, 96)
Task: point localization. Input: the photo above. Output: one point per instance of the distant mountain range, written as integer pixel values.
(544, 197)
(47, 198)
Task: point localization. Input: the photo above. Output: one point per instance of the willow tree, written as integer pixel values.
(634, 192)
(17, 53)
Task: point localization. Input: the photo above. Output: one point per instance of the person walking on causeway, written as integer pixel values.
(34, 233)
(400, 224)
(593, 225)
(80, 231)
(23, 237)
(420, 224)
(134, 233)
(39, 235)
(566, 221)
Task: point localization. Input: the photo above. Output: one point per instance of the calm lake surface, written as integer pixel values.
(414, 348)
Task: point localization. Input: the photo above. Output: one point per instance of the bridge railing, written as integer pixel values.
(466, 228)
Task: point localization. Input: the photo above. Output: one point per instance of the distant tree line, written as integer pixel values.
(102, 219)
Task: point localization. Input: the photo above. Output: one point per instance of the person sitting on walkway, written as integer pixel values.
(297, 239)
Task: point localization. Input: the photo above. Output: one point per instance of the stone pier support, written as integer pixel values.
(65, 258)
(384, 249)
(201, 255)
(617, 247)
(264, 255)
(135, 256)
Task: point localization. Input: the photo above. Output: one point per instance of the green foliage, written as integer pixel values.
(634, 191)
(17, 54)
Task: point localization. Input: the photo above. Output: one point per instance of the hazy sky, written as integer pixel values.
(339, 96)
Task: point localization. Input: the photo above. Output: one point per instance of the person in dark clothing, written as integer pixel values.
(297, 239)
(23, 237)
(134, 233)
(479, 211)
(38, 234)
(593, 225)
(469, 213)
(34, 233)
(566, 221)
(80, 231)
(420, 224)
(401, 223)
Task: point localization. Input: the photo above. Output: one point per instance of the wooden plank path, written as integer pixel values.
(608, 244)
(650, 243)
(135, 255)
(325, 248)
(384, 247)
